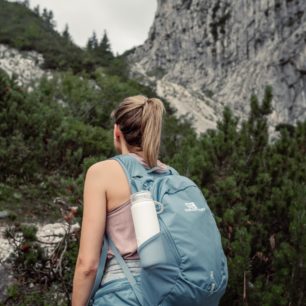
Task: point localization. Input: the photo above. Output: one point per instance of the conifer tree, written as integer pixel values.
(66, 34)
(103, 52)
(36, 10)
(26, 3)
(48, 16)
(92, 42)
(104, 45)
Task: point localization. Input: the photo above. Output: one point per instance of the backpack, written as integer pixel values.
(194, 270)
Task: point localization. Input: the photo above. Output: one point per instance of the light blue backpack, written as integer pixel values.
(193, 271)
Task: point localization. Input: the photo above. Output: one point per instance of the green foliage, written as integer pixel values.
(66, 35)
(25, 29)
(42, 134)
(28, 254)
(34, 296)
(49, 138)
(29, 232)
(36, 269)
(256, 190)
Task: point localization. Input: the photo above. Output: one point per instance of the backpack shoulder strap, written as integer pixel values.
(132, 169)
(100, 271)
(136, 173)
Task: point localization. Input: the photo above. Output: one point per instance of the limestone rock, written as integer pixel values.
(220, 51)
(26, 66)
(48, 234)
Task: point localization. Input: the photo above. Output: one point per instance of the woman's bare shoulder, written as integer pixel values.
(103, 166)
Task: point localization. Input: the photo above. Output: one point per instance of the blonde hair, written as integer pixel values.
(140, 121)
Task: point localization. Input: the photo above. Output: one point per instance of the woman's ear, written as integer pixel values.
(116, 131)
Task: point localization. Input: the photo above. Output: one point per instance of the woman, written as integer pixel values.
(137, 131)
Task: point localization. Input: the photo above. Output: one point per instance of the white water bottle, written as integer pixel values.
(144, 216)
(149, 241)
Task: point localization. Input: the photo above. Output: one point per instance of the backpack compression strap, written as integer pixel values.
(108, 242)
(126, 271)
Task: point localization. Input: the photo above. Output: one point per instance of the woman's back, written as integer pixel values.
(117, 189)
(119, 223)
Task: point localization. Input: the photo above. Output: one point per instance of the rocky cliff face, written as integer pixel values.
(25, 65)
(202, 55)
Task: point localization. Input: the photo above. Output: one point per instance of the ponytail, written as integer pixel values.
(151, 129)
(140, 121)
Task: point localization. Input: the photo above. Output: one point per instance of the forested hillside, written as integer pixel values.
(51, 135)
(25, 29)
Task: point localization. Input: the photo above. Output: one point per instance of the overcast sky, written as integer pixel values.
(127, 22)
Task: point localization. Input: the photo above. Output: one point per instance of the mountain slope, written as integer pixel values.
(219, 52)
(23, 29)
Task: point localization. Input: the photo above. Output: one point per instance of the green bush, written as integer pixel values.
(49, 138)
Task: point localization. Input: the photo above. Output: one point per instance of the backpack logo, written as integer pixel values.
(191, 206)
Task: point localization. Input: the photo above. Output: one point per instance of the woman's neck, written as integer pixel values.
(126, 151)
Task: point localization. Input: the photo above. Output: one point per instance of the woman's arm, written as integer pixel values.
(92, 232)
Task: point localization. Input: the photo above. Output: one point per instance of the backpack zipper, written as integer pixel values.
(171, 241)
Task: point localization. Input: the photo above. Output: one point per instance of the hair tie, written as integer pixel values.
(145, 101)
(148, 100)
